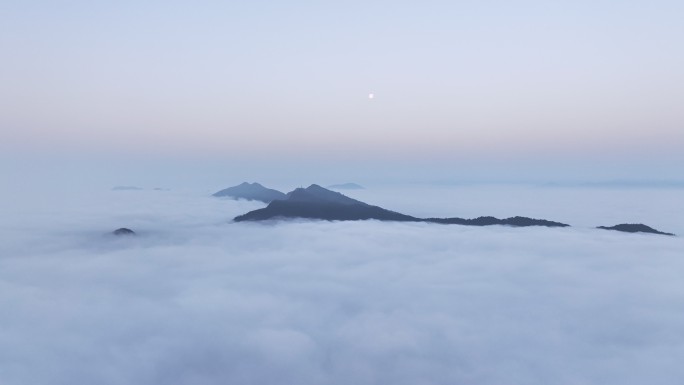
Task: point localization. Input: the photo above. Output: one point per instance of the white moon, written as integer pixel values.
(371, 96)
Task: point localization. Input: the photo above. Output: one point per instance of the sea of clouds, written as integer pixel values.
(196, 299)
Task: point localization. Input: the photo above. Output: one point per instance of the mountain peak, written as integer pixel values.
(316, 202)
(316, 193)
(251, 191)
(346, 186)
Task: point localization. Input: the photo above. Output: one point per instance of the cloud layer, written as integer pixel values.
(196, 299)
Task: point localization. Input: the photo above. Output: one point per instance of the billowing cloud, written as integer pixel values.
(196, 299)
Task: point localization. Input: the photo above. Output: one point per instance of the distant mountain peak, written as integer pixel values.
(251, 191)
(126, 188)
(346, 186)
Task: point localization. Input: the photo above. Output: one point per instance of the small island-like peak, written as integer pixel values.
(634, 228)
(123, 231)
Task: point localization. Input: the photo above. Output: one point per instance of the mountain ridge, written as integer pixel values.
(316, 202)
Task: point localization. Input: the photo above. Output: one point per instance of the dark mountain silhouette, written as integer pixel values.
(488, 221)
(346, 186)
(316, 202)
(123, 232)
(316, 193)
(634, 228)
(251, 191)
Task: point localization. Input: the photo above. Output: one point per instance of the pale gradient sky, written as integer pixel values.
(587, 88)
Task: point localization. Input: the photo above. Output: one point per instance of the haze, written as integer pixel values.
(486, 90)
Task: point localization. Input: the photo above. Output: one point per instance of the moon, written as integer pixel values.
(371, 95)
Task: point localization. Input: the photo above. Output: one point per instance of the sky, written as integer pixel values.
(462, 89)
(196, 299)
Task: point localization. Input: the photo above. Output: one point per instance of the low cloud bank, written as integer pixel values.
(196, 299)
